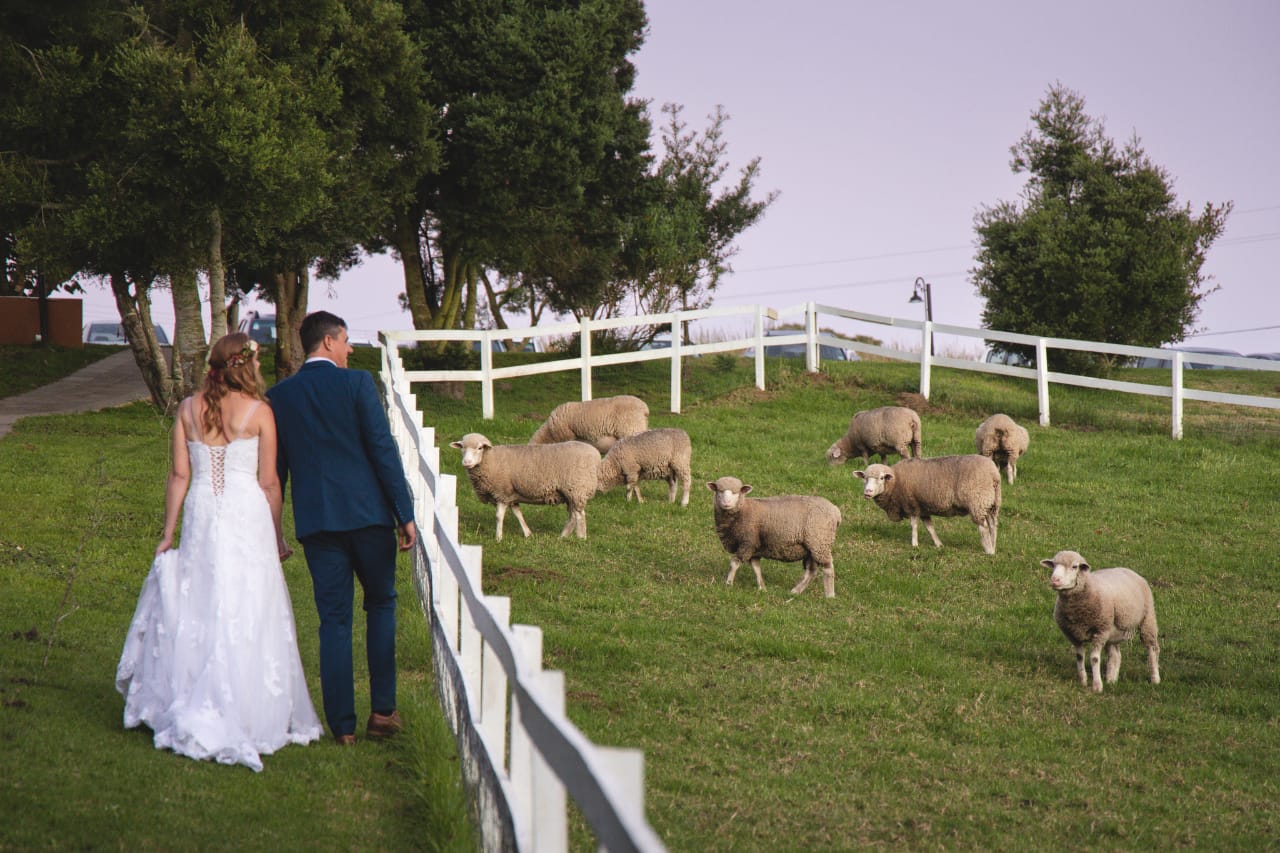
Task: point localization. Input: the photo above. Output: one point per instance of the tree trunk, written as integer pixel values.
(135, 316)
(469, 313)
(190, 347)
(451, 300)
(217, 279)
(409, 245)
(292, 291)
(495, 308)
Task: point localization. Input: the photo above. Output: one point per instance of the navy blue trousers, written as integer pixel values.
(368, 555)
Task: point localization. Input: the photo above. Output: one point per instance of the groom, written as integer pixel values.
(350, 505)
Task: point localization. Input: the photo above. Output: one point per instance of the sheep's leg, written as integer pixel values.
(1080, 673)
(635, 487)
(673, 486)
(502, 511)
(1113, 663)
(986, 534)
(915, 532)
(806, 578)
(1012, 470)
(933, 534)
(734, 562)
(524, 528)
(755, 564)
(1095, 665)
(582, 522)
(829, 580)
(1147, 630)
(688, 480)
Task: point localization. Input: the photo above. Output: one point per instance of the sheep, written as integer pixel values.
(1002, 439)
(511, 474)
(943, 485)
(889, 429)
(599, 423)
(786, 528)
(656, 454)
(1102, 608)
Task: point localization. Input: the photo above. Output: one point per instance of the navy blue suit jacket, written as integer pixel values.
(334, 441)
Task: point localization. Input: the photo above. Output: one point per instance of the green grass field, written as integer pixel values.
(932, 703)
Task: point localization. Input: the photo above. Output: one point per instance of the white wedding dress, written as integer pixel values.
(210, 663)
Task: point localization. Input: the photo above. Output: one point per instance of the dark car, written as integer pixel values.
(825, 352)
(260, 327)
(113, 333)
(1013, 358)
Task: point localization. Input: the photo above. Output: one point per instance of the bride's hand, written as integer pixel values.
(166, 543)
(285, 551)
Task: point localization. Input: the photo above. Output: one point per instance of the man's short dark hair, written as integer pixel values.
(316, 327)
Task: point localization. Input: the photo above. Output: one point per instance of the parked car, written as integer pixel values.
(1270, 356)
(497, 346)
(1149, 361)
(113, 334)
(825, 351)
(260, 327)
(1013, 358)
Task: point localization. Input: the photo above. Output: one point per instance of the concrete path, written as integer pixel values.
(109, 382)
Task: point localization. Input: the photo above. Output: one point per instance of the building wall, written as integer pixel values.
(20, 320)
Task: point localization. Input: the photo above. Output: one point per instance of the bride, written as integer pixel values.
(210, 663)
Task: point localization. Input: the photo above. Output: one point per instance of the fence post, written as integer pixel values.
(926, 357)
(760, 347)
(528, 651)
(584, 345)
(470, 640)
(1177, 394)
(550, 804)
(677, 340)
(493, 686)
(486, 376)
(811, 337)
(1042, 380)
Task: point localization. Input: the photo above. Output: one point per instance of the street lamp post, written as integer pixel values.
(922, 286)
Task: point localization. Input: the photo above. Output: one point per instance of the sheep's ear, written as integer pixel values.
(1082, 566)
(457, 444)
(861, 475)
(1048, 564)
(745, 489)
(888, 475)
(711, 486)
(486, 444)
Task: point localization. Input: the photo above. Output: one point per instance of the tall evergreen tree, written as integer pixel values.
(1098, 247)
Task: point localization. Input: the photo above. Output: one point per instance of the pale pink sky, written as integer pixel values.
(886, 127)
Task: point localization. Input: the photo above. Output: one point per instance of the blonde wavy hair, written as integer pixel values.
(233, 366)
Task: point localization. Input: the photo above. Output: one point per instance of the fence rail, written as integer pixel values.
(813, 338)
(521, 757)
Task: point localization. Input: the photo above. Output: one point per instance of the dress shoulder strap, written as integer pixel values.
(244, 421)
(187, 411)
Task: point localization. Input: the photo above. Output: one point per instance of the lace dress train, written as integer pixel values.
(210, 662)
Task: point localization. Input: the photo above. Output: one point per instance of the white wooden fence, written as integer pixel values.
(812, 338)
(520, 755)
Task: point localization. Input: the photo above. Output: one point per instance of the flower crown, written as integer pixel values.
(245, 355)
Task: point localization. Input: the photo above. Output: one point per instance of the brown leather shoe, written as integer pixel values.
(383, 725)
(345, 740)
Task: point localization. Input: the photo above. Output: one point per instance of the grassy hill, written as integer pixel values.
(932, 703)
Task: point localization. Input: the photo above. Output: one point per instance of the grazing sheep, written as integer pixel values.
(1102, 608)
(944, 485)
(656, 454)
(889, 429)
(597, 422)
(511, 474)
(786, 528)
(1002, 439)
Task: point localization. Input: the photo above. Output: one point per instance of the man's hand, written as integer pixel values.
(407, 534)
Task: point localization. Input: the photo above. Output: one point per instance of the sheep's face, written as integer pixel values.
(877, 479)
(835, 456)
(729, 492)
(473, 446)
(1066, 567)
